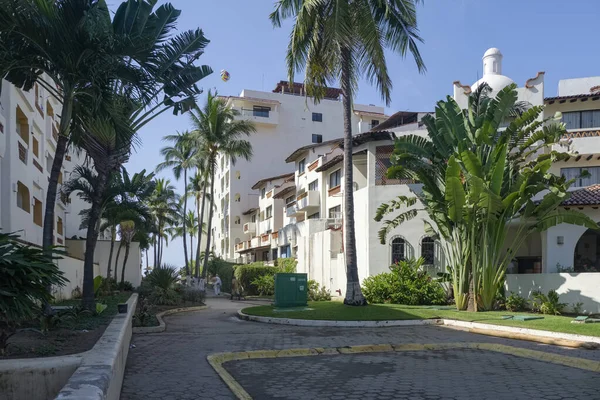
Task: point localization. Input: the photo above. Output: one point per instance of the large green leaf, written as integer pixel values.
(565, 217)
(455, 196)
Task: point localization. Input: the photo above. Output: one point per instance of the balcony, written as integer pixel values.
(266, 225)
(254, 242)
(265, 240)
(241, 246)
(22, 153)
(250, 228)
(291, 210)
(261, 117)
(308, 201)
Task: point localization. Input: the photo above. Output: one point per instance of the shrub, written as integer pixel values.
(265, 285)
(192, 295)
(104, 286)
(316, 294)
(125, 286)
(547, 304)
(577, 308)
(163, 277)
(514, 302)
(144, 315)
(76, 293)
(25, 274)
(287, 265)
(218, 266)
(246, 274)
(406, 283)
(164, 297)
(145, 288)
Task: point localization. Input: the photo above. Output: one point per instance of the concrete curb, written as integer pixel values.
(217, 360)
(100, 374)
(522, 333)
(346, 324)
(162, 326)
(510, 332)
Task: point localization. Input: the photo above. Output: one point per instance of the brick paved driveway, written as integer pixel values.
(172, 364)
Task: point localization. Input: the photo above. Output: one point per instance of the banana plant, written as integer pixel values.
(483, 169)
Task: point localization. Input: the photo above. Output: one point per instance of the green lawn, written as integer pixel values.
(326, 310)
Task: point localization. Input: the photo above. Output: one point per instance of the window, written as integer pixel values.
(290, 199)
(260, 111)
(314, 216)
(314, 185)
(335, 212)
(60, 178)
(37, 212)
(591, 175)
(374, 123)
(398, 250)
(237, 198)
(253, 217)
(265, 255)
(237, 220)
(22, 125)
(36, 147)
(59, 226)
(428, 250)
(269, 212)
(317, 138)
(23, 201)
(317, 117)
(581, 119)
(263, 191)
(335, 179)
(301, 166)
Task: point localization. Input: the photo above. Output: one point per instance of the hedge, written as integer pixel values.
(246, 274)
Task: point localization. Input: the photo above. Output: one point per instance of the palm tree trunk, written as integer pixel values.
(155, 248)
(127, 245)
(210, 217)
(147, 250)
(117, 259)
(88, 300)
(191, 247)
(113, 235)
(354, 295)
(185, 252)
(61, 148)
(200, 226)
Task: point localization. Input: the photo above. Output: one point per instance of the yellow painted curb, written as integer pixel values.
(217, 360)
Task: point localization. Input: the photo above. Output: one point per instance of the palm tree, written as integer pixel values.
(191, 227)
(67, 47)
(218, 132)
(163, 205)
(180, 157)
(341, 40)
(197, 188)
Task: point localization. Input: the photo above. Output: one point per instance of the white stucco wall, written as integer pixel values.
(72, 269)
(572, 288)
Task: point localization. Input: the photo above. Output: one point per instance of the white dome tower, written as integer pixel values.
(492, 71)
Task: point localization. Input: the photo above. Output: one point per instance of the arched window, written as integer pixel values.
(398, 250)
(428, 250)
(23, 199)
(237, 220)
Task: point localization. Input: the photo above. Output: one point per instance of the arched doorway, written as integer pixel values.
(587, 252)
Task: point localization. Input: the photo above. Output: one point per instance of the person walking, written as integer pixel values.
(217, 285)
(235, 289)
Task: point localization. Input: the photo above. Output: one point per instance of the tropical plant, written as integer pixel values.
(25, 274)
(317, 294)
(264, 285)
(514, 302)
(217, 131)
(164, 208)
(340, 40)
(287, 265)
(181, 156)
(198, 189)
(547, 304)
(482, 169)
(191, 226)
(163, 277)
(406, 283)
(246, 275)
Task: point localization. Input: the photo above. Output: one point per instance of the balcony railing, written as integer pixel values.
(308, 200)
(249, 227)
(22, 153)
(581, 133)
(255, 113)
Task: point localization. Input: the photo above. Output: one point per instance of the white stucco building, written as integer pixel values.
(285, 120)
(29, 125)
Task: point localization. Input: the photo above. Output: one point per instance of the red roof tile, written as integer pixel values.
(587, 196)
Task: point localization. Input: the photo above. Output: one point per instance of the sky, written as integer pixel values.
(554, 36)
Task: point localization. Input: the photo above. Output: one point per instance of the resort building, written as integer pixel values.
(285, 120)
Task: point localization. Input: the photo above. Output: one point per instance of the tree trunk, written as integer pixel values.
(155, 248)
(88, 300)
(61, 148)
(185, 252)
(201, 222)
(148, 249)
(127, 245)
(210, 217)
(117, 259)
(113, 236)
(191, 247)
(354, 296)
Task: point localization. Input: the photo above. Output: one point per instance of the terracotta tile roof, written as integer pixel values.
(331, 163)
(251, 99)
(587, 196)
(298, 89)
(250, 211)
(285, 192)
(292, 157)
(574, 97)
(265, 180)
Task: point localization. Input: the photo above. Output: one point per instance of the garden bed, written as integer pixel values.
(69, 337)
(336, 311)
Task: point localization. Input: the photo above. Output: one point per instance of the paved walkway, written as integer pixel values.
(172, 364)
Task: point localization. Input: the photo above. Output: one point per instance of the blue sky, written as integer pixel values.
(554, 36)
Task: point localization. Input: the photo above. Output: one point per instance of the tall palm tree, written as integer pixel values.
(197, 188)
(67, 47)
(192, 228)
(343, 40)
(218, 132)
(180, 157)
(163, 205)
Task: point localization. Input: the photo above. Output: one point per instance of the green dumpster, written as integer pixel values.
(291, 290)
